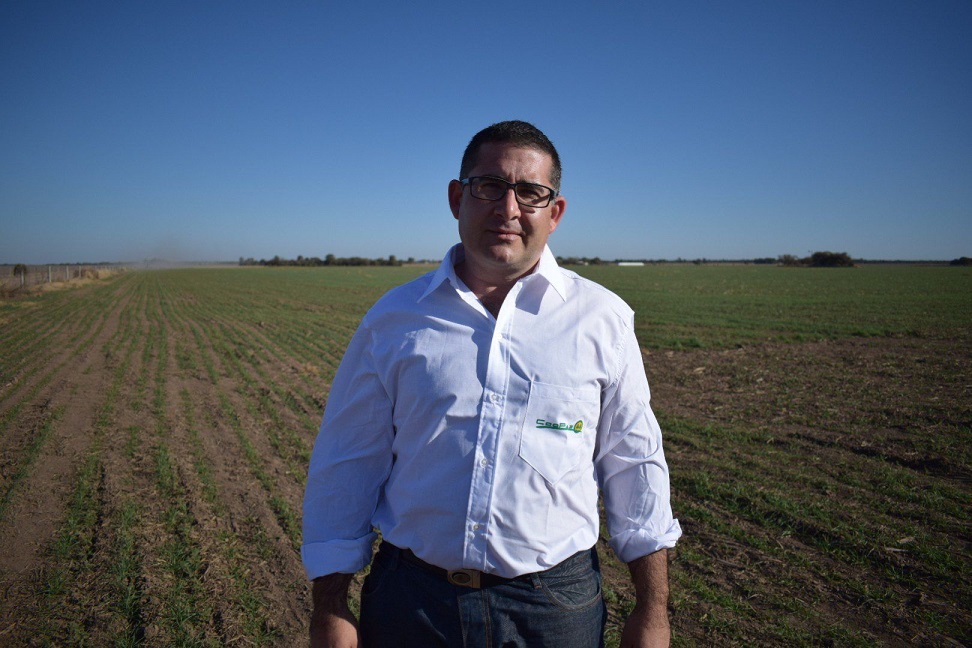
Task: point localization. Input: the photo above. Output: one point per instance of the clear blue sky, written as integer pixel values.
(215, 130)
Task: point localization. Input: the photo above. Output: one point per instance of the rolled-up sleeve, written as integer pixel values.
(351, 460)
(630, 462)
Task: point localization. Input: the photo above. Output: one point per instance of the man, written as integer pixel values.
(476, 413)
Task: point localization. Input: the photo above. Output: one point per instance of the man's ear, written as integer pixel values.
(557, 210)
(455, 197)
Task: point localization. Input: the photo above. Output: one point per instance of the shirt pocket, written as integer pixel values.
(559, 428)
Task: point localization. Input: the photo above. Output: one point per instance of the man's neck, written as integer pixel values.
(490, 290)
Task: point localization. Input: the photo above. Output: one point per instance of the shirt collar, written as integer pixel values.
(547, 268)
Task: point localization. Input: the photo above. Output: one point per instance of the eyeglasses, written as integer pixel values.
(527, 193)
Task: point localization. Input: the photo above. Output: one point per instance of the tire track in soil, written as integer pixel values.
(35, 512)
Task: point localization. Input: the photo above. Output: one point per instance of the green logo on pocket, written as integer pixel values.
(576, 428)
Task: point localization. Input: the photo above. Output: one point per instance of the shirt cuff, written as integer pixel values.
(633, 544)
(336, 556)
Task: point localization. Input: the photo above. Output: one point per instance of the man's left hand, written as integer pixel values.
(646, 629)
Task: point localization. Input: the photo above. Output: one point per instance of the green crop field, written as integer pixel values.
(155, 429)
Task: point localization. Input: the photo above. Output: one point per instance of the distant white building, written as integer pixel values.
(631, 263)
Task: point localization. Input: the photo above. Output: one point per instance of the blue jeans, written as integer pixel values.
(405, 605)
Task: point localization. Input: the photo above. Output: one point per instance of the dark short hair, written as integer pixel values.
(518, 133)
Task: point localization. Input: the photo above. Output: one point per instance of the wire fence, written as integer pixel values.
(22, 278)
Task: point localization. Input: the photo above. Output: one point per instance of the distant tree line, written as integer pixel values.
(580, 261)
(329, 260)
(815, 260)
(819, 260)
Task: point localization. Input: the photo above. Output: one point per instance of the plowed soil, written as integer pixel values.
(153, 445)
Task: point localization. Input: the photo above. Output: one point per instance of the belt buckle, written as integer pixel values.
(464, 578)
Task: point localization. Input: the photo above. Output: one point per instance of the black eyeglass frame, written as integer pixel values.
(466, 182)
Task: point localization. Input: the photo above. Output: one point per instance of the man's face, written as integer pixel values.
(502, 238)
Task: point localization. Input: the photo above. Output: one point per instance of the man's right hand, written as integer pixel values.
(332, 623)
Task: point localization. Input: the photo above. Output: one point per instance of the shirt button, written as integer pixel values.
(484, 462)
(476, 527)
(494, 397)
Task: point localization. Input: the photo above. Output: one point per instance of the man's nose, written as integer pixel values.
(507, 205)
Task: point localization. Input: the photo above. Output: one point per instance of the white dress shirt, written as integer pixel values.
(480, 442)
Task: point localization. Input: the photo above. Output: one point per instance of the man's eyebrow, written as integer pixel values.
(499, 177)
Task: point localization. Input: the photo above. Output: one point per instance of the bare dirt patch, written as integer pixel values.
(874, 435)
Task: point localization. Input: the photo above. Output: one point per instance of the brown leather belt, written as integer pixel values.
(462, 577)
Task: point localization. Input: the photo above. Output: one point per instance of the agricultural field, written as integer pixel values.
(155, 429)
